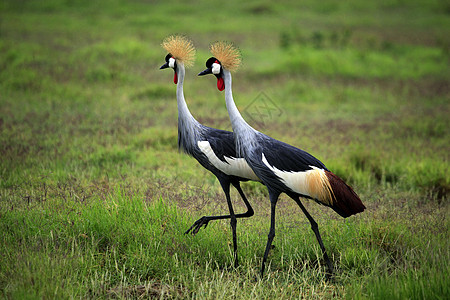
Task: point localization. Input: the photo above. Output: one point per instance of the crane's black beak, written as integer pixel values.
(205, 72)
(164, 66)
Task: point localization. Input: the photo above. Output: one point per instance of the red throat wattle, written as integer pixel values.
(220, 84)
(175, 78)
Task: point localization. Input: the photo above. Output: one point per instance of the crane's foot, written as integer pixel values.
(203, 221)
(329, 276)
(330, 271)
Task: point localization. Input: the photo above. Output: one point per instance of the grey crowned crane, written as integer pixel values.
(212, 148)
(281, 167)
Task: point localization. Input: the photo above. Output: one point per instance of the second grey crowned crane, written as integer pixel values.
(212, 148)
(281, 167)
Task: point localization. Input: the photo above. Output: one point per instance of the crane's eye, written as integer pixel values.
(215, 68)
(172, 62)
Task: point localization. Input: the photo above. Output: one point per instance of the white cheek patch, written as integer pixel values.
(215, 68)
(172, 62)
(233, 166)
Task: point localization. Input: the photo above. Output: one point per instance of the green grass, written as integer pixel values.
(95, 197)
(93, 248)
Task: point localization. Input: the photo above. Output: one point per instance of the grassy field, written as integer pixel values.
(95, 198)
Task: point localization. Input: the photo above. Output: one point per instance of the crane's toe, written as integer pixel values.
(203, 221)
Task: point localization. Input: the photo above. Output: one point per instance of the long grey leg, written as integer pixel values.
(315, 229)
(250, 211)
(203, 221)
(273, 203)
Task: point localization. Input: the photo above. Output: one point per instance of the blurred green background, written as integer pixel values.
(88, 122)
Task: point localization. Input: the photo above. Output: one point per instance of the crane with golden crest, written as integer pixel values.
(212, 148)
(280, 166)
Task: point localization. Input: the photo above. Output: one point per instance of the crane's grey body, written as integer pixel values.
(281, 167)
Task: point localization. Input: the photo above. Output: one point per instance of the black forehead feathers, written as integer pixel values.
(210, 61)
(168, 56)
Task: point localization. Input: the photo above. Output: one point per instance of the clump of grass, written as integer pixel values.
(412, 284)
(106, 241)
(431, 176)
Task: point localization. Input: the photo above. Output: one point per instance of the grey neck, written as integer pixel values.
(237, 122)
(189, 128)
(183, 110)
(244, 133)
